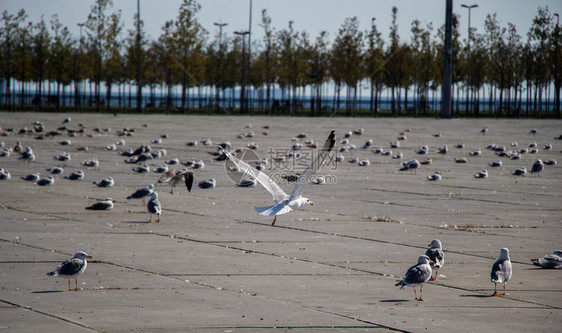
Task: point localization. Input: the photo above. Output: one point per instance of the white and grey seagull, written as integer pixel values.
(72, 268)
(283, 202)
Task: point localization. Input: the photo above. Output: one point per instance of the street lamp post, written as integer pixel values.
(218, 83)
(557, 64)
(139, 84)
(249, 50)
(81, 25)
(468, 46)
(243, 83)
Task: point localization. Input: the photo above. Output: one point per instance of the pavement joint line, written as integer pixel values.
(389, 276)
(29, 308)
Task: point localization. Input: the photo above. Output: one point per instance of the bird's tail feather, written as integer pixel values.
(53, 273)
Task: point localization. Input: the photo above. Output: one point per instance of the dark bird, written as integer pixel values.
(32, 177)
(49, 181)
(107, 182)
(436, 255)
(77, 175)
(72, 268)
(537, 167)
(411, 165)
(210, 183)
(142, 193)
(56, 170)
(481, 174)
(522, 171)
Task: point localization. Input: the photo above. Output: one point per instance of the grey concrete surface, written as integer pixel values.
(214, 265)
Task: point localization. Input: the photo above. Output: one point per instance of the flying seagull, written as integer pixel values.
(284, 202)
(173, 177)
(72, 268)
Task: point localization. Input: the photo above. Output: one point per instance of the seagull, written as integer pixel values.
(49, 181)
(538, 166)
(106, 204)
(496, 164)
(27, 155)
(5, 174)
(64, 156)
(436, 255)
(211, 183)
(142, 169)
(423, 150)
(364, 162)
(78, 175)
(154, 206)
(56, 170)
(476, 152)
(417, 275)
(481, 174)
(553, 260)
(32, 177)
(247, 183)
(522, 171)
(460, 145)
(107, 182)
(443, 150)
(72, 268)
(142, 193)
(410, 165)
(173, 177)
(161, 169)
(66, 121)
(284, 202)
(91, 162)
(501, 270)
(434, 176)
(484, 130)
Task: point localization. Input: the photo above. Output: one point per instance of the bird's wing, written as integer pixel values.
(417, 274)
(317, 162)
(70, 267)
(188, 180)
(268, 183)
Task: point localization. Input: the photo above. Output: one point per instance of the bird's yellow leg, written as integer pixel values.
(504, 288)
(495, 290)
(415, 293)
(69, 285)
(76, 284)
(274, 219)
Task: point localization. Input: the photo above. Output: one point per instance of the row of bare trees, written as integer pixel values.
(496, 71)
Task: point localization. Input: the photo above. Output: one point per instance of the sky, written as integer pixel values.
(312, 16)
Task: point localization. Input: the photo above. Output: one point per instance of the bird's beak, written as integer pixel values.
(428, 245)
(311, 203)
(90, 257)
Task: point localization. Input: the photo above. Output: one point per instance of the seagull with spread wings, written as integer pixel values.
(284, 202)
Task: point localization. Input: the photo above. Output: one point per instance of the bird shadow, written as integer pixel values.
(477, 296)
(393, 300)
(142, 222)
(47, 291)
